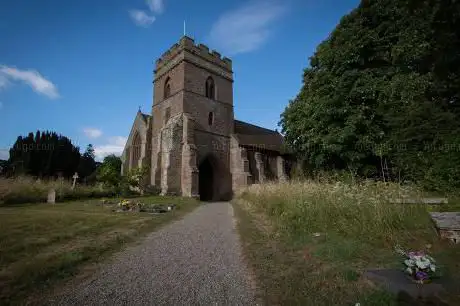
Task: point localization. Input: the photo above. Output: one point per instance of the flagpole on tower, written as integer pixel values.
(184, 28)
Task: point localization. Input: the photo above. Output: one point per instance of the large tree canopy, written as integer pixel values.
(46, 154)
(87, 165)
(109, 172)
(384, 90)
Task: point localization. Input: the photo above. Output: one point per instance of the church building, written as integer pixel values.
(190, 143)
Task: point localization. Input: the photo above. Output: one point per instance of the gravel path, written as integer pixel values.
(195, 260)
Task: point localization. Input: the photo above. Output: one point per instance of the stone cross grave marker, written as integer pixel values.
(52, 196)
(75, 176)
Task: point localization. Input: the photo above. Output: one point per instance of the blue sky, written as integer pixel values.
(83, 68)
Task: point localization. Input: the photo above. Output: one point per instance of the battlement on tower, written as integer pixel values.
(200, 50)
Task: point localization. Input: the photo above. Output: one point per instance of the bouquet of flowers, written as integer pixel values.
(420, 266)
(129, 205)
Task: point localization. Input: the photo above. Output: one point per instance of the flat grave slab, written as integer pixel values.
(430, 201)
(447, 224)
(396, 281)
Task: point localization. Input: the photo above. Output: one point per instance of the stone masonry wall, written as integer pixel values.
(239, 165)
(171, 156)
(189, 179)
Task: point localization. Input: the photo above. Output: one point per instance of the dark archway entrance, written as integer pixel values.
(206, 180)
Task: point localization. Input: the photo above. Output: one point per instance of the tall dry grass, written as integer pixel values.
(29, 190)
(359, 210)
(322, 235)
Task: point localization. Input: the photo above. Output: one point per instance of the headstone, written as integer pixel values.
(448, 225)
(52, 196)
(75, 176)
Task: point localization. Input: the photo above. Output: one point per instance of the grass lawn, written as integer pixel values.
(43, 243)
(309, 243)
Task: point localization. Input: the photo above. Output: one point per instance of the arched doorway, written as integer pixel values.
(206, 178)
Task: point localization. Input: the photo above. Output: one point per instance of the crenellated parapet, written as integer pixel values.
(200, 50)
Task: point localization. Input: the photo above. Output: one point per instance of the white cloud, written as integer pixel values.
(31, 77)
(156, 6)
(115, 146)
(92, 132)
(4, 154)
(118, 140)
(3, 81)
(141, 18)
(246, 28)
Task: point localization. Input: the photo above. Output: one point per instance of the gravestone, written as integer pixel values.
(396, 281)
(75, 176)
(448, 225)
(429, 201)
(52, 196)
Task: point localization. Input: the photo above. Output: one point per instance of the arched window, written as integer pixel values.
(210, 88)
(210, 118)
(167, 89)
(136, 151)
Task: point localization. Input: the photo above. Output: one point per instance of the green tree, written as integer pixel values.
(45, 154)
(109, 172)
(383, 89)
(87, 164)
(137, 179)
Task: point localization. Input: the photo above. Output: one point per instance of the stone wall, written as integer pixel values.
(265, 166)
(239, 165)
(200, 50)
(174, 101)
(217, 147)
(195, 80)
(189, 179)
(171, 156)
(141, 127)
(181, 142)
(199, 108)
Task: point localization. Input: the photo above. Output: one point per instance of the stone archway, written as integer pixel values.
(206, 180)
(214, 180)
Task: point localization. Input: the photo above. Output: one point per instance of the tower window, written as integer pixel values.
(167, 89)
(167, 114)
(210, 118)
(210, 88)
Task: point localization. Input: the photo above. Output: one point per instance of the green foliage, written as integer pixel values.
(310, 242)
(137, 178)
(87, 164)
(382, 90)
(109, 172)
(44, 154)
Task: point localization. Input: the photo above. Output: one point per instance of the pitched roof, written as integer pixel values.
(250, 135)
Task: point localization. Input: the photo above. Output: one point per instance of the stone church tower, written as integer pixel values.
(191, 144)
